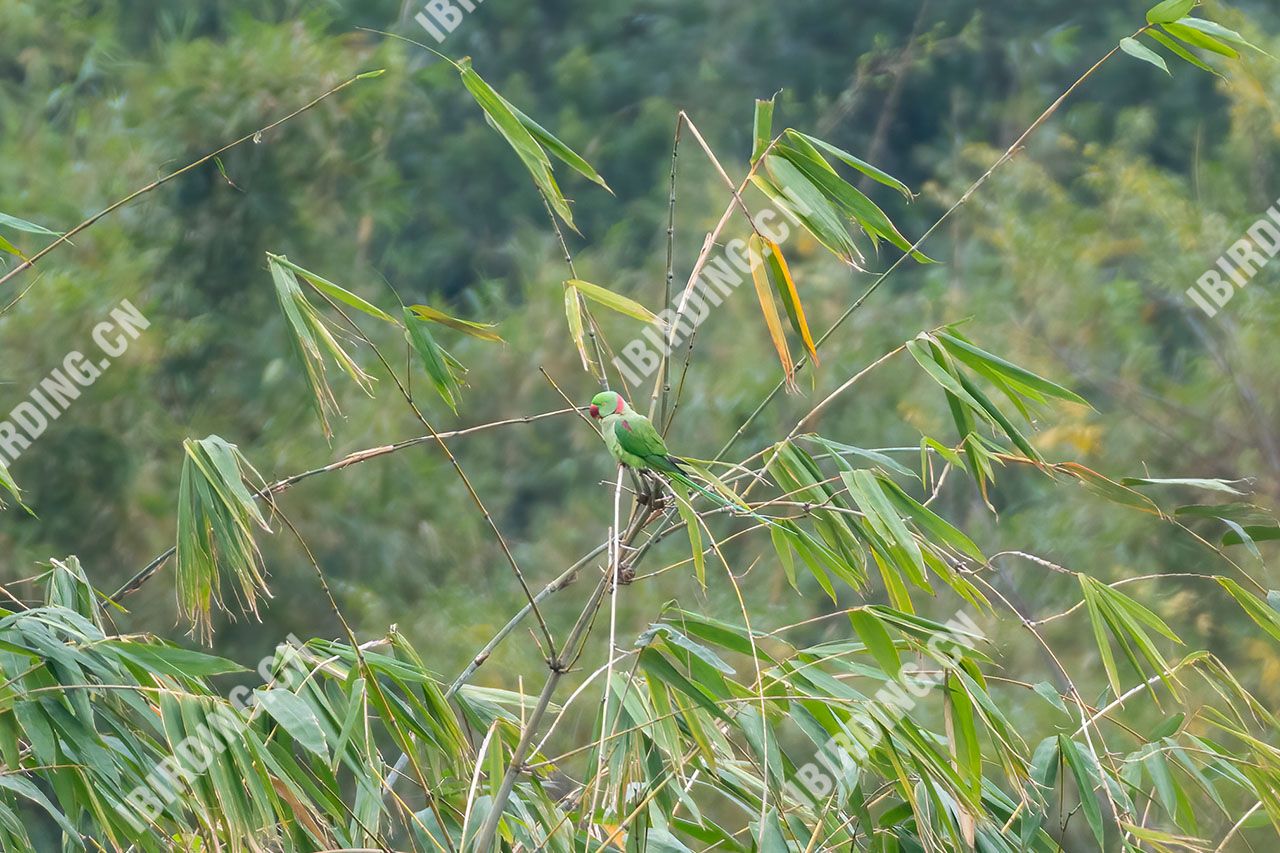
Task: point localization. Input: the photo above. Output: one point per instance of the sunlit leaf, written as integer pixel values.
(784, 284)
(483, 331)
(613, 301)
(760, 277)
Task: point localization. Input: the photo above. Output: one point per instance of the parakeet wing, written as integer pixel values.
(638, 437)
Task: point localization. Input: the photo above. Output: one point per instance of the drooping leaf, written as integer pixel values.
(1178, 50)
(1082, 770)
(333, 291)
(1050, 694)
(9, 248)
(1137, 50)
(502, 117)
(1196, 38)
(693, 527)
(573, 312)
(311, 339)
(216, 517)
(1249, 533)
(433, 359)
(784, 284)
(558, 149)
(1266, 616)
(760, 277)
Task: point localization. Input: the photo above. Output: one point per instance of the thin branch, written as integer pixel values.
(66, 238)
(662, 385)
(151, 569)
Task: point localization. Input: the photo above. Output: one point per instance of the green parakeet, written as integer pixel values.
(636, 443)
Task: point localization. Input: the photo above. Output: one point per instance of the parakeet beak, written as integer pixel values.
(595, 411)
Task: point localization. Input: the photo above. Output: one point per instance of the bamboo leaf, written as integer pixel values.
(1266, 617)
(1083, 774)
(432, 358)
(558, 149)
(1050, 694)
(693, 528)
(1217, 31)
(502, 117)
(6, 246)
(467, 327)
(760, 276)
(1169, 11)
(1227, 486)
(679, 640)
(877, 640)
(1254, 533)
(1180, 51)
(23, 225)
(333, 291)
(870, 218)
(573, 311)
(861, 165)
(1196, 38)
(785, 286)
(295, 717)
(8, 484)
(762, 128)
(613, 301)
(966, 352)
(796, 194)
(1140, 51)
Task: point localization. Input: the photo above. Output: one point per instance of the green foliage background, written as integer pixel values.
(1073, 262)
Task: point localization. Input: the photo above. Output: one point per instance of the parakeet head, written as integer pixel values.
(606, 403)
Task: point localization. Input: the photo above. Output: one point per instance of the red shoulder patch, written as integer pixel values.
(626, 426)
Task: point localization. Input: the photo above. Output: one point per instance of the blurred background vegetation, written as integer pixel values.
(1073, 262)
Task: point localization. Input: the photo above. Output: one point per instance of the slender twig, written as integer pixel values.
(662, 386)
(615, 564)
(1236, 828)
(149, 571)
(66, 237)
(569, 652)
(566, 578)
(593, 328)
(457, 467)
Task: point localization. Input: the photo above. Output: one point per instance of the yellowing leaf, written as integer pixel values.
(573, 310)
(613, 301)
(467, 327)
(755, 252)
(786, 287)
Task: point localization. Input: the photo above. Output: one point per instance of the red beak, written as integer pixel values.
(595, 411)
